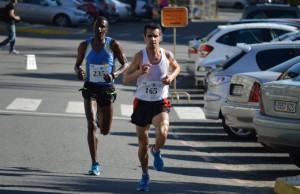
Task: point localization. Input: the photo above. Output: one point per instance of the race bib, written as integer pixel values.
(152, 90)
(97, 72)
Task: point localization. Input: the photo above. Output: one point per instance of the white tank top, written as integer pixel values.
(150, 86)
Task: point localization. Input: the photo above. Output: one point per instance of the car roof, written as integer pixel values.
(256, 25)
(247, 47)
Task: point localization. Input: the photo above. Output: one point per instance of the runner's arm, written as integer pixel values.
(174, 66)
(80, 57)
(134, 70)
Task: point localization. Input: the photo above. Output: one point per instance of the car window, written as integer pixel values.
(269, 58)
(277, 32)
(211, 34)
(248, 36)
(285, 65)
(234, 58)
(36, 2)
(263, 14)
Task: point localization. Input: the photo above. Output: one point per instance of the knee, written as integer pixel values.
(164, 128)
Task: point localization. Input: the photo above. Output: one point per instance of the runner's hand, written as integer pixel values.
(167, 80)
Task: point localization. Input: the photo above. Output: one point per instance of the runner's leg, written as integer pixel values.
(143, 139)
(106, 115)
(161, 123)
(90, 107)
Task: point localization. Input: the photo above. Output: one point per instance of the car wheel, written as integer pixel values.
(90, 20)
(238, 134)
(62, 20)
(295, 158)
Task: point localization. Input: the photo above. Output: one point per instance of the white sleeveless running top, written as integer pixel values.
(150, 86)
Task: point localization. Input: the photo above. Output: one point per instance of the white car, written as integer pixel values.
(48, 12)
(221, 42)
(278, 122)
(254, 57)
(237, 4)
(243, 98)
(123, 9)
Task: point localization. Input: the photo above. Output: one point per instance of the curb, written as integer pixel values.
(44, 30)
(287, 185)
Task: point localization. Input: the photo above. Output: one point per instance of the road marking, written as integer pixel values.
(75, 107)
(195, 113)
(51, 114)
(126, 110)
(26, 104)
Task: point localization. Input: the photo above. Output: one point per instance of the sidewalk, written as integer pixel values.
(44, 29)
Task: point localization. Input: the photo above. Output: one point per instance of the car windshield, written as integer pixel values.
(292, 73)
(285, 65)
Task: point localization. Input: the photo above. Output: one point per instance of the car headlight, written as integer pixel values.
(203, 68)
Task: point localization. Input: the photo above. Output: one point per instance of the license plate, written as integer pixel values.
(237, 90)
(285, 106)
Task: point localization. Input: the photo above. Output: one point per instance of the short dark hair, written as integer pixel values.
(101, 18)
(152, 26)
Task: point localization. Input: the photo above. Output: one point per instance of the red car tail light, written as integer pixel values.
(205, 50)
(261, 106)
(255, 93)
(193, 51)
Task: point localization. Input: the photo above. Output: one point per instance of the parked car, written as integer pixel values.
(263, 11)
(237, 4)
(243, 99)
(253, 57)
(194, 44)
(123, 9)
(106, 8)
(221, 43)
(278, 122)
(143, 8)
(90, 8)
(48, 12)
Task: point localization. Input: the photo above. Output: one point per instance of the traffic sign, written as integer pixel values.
(174, 17)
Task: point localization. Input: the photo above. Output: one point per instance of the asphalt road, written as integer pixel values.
(44, 150)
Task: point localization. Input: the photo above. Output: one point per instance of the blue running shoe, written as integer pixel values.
(144, 183)
(95, 170)
(158, 162)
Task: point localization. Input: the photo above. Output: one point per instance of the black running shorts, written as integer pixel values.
(104, 95)
(144, 111)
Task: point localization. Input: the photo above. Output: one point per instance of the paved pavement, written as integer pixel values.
(283, 185)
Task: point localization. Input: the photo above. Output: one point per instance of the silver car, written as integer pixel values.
(278, 122)
(48, 12)
(243, 98)
(255, 57)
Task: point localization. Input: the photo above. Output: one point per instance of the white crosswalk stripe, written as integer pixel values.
(126, 110)
(77, 107)
(26, 104)
(195, 113)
